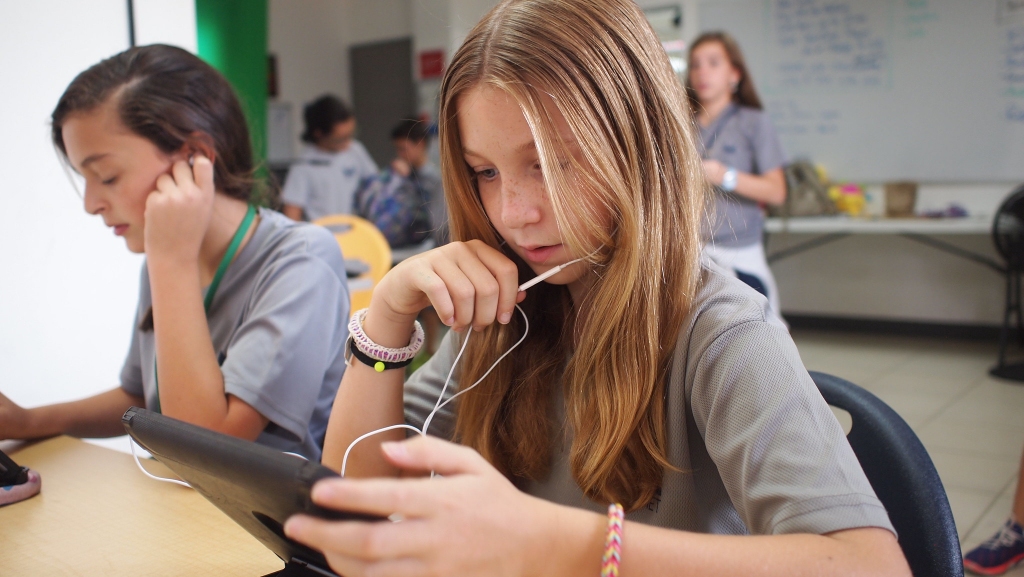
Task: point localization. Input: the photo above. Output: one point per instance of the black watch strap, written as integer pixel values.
(379, 366)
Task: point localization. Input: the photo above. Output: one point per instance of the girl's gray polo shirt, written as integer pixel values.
(758, 449)
(279, 322)
(746, 141)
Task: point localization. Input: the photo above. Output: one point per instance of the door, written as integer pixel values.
(382, 93)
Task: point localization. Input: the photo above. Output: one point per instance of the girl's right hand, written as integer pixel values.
(469, 284)
(178, 212)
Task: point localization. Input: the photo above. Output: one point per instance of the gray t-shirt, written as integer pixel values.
(758, 449)
(279, 325)
(746, 141)
(325, 183)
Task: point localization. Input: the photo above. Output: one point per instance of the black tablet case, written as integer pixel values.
(255, 485)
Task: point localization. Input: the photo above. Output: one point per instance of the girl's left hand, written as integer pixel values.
(473, 521)
(178, 212)
(714, 171)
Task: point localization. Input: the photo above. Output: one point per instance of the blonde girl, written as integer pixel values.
(646, 377)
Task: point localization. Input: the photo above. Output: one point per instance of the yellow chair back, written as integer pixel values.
(364, 249)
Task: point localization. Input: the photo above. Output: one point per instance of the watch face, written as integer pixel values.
(729, 180)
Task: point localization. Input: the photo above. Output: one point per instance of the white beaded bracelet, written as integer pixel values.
(380, 352)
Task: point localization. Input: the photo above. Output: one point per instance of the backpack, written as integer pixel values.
(395, 205)
(806, 194)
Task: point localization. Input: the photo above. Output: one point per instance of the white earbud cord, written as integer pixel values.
(439, 404)
(131, 443)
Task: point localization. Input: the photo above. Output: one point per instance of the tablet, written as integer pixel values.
(257, 486)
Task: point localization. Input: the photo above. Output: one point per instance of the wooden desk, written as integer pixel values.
(99, 515)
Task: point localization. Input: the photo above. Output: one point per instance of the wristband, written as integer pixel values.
(613, 542)
(365, 345)
(379, 366)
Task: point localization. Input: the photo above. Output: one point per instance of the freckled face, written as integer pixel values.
(501, 153)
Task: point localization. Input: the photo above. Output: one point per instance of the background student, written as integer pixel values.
(411, 140)
(241, 315)
(743, 158)
(332, 165)
(646, 379)
(1004, 550)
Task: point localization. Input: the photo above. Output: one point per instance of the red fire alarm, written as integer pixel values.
(431, 64)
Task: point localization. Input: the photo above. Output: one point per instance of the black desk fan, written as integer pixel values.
(1008, 237)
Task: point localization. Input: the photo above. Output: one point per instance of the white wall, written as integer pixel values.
(69, 287)
(380, 20)
(166, 22)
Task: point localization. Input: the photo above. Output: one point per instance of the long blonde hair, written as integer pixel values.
(603, 67)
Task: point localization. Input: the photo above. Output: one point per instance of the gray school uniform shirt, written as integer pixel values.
(279, 326)
(757, 448)
(744, 139)
(325, 183)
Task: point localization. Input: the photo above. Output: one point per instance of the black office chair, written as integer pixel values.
(903, 477)
(1008, 238)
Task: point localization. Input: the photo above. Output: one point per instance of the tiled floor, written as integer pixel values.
(971, 424)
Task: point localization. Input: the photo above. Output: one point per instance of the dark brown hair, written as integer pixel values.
(410, 129)
(322, 115)
(170, 97)
(745, 93)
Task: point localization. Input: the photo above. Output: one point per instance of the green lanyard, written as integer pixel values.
(229, 256)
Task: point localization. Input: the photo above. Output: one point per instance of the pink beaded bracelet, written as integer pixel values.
(613, 542)
(380, 352)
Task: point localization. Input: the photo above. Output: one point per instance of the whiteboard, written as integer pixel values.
(877, 90)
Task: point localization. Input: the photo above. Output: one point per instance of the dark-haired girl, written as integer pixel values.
(242, 312)
(324, 179)
(743, 158)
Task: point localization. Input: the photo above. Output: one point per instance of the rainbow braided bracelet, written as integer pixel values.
(613, 542)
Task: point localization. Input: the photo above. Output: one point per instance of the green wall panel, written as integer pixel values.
(232, 37)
